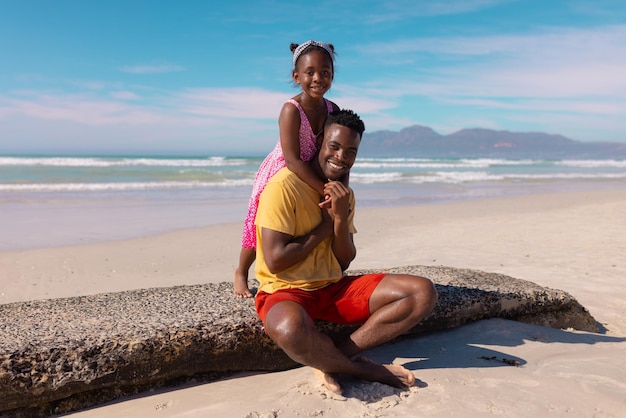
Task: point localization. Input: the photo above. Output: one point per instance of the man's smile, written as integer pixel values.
(335, 167)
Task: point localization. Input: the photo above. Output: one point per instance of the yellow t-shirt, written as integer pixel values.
(291, 206)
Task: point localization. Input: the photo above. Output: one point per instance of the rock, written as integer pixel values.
(65, 354)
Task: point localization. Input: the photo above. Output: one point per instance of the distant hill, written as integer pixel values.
(422, 141)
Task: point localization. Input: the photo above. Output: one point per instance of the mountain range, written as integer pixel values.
(421, 141)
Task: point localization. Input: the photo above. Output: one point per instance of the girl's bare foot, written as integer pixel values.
(328, 381)
(240, 284)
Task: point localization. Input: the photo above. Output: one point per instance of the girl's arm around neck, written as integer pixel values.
(289, 128)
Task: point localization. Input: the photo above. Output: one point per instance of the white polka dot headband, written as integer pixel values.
(302, 47)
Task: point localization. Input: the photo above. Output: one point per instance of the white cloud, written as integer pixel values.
(45, 121)
(124, 95)
(362, 103)
(573, 70)
(554, 43)
(152, 69)
(383, 121)
(391, 11)
(77, 109)
(188, 106)
(240, 103)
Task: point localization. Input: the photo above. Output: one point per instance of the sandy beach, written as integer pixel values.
(570, 241)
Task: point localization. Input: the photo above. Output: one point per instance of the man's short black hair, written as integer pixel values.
(347, 118)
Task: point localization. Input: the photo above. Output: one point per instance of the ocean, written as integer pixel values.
(60, 200)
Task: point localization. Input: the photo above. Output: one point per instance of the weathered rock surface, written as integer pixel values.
(63, 354)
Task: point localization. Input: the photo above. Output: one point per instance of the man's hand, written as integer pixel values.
(339, 211)
(337, 202)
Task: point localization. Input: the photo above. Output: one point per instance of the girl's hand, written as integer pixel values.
(326, 203)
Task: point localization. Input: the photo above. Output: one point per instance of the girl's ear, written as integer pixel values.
(296, 77)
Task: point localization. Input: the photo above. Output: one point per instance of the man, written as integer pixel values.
(303, 247)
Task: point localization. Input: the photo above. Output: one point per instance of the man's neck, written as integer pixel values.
(317, 169)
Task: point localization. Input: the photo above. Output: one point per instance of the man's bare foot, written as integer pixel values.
(389, 374)
(240, 284)
(406, 377)
(328, 381)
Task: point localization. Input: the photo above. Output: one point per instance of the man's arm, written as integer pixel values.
(282, 250)
(343, 243)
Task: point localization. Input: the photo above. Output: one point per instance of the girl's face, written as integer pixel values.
(314, 73)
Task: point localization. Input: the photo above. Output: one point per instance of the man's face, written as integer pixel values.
(338, 151)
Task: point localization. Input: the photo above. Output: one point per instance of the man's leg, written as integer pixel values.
(398, 303)
(291, 328)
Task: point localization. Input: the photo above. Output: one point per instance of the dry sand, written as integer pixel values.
(571, 241)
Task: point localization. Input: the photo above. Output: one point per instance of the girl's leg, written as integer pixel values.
(240, 282)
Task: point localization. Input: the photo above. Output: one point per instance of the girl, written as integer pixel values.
(301, 119)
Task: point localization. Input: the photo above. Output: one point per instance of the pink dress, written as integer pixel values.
(271, 165)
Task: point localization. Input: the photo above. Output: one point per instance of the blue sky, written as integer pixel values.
(204, 77)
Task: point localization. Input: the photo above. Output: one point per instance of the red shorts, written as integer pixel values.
(345, 302)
